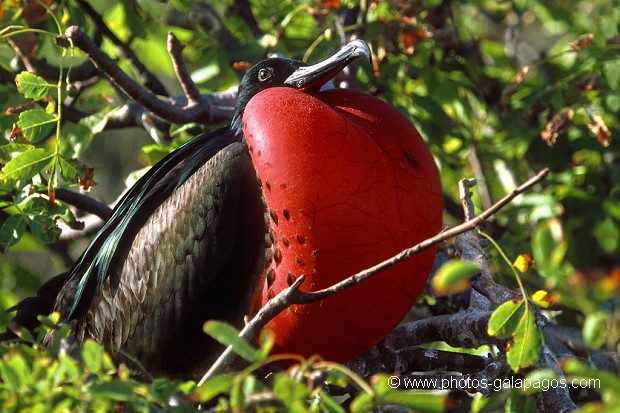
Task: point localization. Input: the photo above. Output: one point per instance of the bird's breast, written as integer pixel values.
(348, 182)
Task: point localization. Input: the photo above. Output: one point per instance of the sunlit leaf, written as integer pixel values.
(506, 318)
(542, 299)
(33, 86)
(216, 385)
(92, 355)
(611, 69)
(595, 329)
(229, 336)
(526, 345)
(523, 262)
(514, 321)
(453, 277)
(12, 230)
(362, 403)
(69, 169)
(36, 124)
(27, 164)
(291, 392)
(115, 390)
(15, 147)
(548, 245)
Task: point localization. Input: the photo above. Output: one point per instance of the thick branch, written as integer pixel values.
(556, 398)
(84, 203)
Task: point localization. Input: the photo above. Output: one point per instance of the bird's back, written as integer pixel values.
(189, 262)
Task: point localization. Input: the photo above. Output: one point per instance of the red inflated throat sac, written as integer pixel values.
(348, 182)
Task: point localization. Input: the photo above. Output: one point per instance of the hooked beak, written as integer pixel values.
(315, 76)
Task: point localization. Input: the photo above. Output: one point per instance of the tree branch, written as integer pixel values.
(175, 49)
(84, 203)
(145, 75)
(203, 112)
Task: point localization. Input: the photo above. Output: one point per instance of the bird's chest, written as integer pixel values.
(347, 184)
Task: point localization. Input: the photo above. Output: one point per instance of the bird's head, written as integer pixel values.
(283, 72)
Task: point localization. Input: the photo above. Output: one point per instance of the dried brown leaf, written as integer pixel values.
(86, 180)
(587, 83)
(599, 129)
(557, 125)
(583, 42)
(15, 133)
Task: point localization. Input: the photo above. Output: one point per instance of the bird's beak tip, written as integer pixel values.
(312, 77)
(360, 49)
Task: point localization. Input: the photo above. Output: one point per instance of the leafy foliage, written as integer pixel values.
(498, 89)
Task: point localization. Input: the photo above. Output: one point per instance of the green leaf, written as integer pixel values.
(291, 392)
(33, 86)
(15, 147)
(27, 164)
(36, 124)
(96, 122)
(363, 403)
(12, 230)
(603, 381)
(266, 340)
(515, 320)
(70, 169)
(220, 384)
(539, 380)
(331, 403)
(453, 276)
(229, 336)
(505, 319)
(92, 354)
(549, 246)
(526, 345)
(611, 69)
(155, 153)
(44, 228)
(423, 402)
(205, 73)
(115, 390)
(595, 329)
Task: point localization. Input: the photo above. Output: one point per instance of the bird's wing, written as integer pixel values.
(104, 256)
(193, 259)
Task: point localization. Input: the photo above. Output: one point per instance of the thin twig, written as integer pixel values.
(273, 307)
(309, 297)
(147, 77)
(175, 49)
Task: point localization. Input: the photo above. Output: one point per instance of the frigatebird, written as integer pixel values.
(184, 245)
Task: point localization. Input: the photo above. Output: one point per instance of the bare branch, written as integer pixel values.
(175, 48)
(145, 75)
(243, 9)
(84, 203)
(206, 17)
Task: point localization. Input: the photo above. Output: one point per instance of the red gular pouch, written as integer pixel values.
(348, 182)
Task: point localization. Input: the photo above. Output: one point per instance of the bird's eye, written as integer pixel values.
(264, 75)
